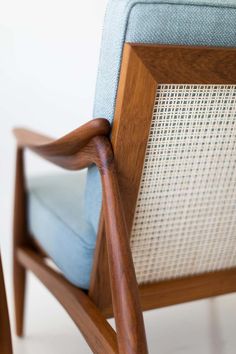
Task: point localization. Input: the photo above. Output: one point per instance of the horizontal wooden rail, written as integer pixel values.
(187, 289)
(178, 291)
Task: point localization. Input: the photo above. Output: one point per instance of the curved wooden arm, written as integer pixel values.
(78, 149)
(124, 287)
(68, 145)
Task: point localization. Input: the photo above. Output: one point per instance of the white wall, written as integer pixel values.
(49, 53)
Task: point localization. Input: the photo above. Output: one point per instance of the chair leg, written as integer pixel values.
(19, 296)
(20, 239)
(5, 332)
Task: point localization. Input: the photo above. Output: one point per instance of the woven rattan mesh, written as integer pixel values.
(185, 219)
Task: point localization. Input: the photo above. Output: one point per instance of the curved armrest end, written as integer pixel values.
(65, 146)
(27, 138)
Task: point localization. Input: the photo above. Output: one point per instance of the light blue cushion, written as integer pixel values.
(57, 220)
(193, 22)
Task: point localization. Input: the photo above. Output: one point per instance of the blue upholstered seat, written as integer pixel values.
(57, 220)
(190, 22)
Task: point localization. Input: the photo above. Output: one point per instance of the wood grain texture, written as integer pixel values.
(5, 333)
(100, 290)
(19, 239)
(72, 152)
(134, 107)
(197, 287)
(133, 116)
(94, 327)
(188, 65)
(178, 291)
(125, 297)
(67, 145)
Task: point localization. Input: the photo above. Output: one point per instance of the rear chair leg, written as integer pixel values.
(19, 296)
(20, 238)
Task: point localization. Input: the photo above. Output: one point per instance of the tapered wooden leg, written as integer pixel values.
(19, 297)
(20, 239)
(5, 334)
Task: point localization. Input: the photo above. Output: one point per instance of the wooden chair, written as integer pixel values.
(167, 227)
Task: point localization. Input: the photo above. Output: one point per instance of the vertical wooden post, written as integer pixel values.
(20, 234)
(125, 294)
(5, 333)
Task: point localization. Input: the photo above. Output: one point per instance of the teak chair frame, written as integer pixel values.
(120, 163)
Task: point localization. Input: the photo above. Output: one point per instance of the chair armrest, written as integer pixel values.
(68, 151)
(29, 138)
(68, 144)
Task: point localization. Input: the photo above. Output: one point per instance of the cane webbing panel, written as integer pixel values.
(185, 219)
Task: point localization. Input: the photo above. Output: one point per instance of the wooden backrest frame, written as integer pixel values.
(144, 67)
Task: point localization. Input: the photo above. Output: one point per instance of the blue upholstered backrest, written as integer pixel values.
(193, 22)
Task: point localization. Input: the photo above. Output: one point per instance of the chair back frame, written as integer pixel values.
(144, 68)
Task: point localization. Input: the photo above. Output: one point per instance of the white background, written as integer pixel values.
(49, 53)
